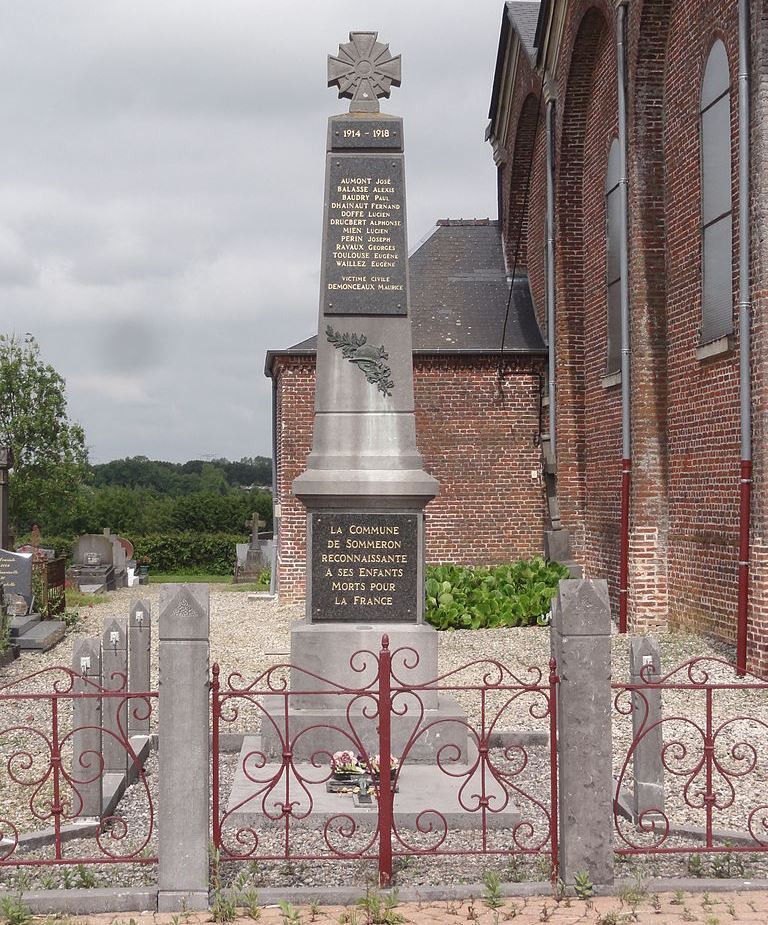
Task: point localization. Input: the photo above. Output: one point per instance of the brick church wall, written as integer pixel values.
(479, 445)
(685, 411)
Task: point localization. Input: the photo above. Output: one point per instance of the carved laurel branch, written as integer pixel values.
(368, 359)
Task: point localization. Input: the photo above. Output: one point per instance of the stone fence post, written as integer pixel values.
(184, 812)
(139, 639)
(87, 775)
(581, 643)
(645, 667)
(114, 669)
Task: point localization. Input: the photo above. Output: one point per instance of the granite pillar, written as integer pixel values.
(87, 770)
(581, 644)
(114, 666)
(648, 769)
(139, 642)
(184, 757)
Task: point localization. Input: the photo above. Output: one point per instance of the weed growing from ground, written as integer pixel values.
(378, 909)
(582, 885)
(492, 894)
(289, 913)
(85, 878)
(14, 911)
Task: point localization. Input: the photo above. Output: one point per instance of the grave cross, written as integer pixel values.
(364, 70)
(6, 463)
(256, 524)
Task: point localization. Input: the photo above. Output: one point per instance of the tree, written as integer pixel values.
(50, 458)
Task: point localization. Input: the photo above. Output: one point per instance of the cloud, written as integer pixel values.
(161, 188)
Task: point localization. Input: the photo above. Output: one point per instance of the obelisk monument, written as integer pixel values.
(364, 487)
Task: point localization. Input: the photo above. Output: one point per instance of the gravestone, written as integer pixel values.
(119, 558)
(364, 488)
(253, 557)
(16, 579)
(92, 566)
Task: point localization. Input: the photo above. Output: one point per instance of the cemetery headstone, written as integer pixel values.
(92, 566)
(16, 578)
(253, 557)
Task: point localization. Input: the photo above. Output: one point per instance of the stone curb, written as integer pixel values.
(91, 902)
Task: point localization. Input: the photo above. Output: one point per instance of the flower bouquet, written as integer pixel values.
(374, 764)
(345, 766)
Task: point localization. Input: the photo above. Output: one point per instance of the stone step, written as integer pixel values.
(43, 635)
(20, 625)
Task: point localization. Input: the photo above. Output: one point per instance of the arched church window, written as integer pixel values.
(716, 205)
(612, 258)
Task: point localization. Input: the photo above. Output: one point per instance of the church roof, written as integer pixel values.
(524, 17)
(459, 296)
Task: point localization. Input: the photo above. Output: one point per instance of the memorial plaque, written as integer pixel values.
(365, 241)
(364, 567)
(16, 574)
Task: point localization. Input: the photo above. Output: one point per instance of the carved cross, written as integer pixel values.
(364, 70)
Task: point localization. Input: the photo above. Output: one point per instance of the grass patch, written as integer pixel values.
(76, 598)
(222, 582)
(178, 578)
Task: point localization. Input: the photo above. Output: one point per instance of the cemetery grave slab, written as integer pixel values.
(420, 787)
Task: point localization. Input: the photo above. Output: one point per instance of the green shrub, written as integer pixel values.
(190, 553)
(519, 594)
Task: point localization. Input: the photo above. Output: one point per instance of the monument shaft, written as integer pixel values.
(364, 487)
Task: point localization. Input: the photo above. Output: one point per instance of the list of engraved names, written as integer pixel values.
(365, 239)
(364, 567)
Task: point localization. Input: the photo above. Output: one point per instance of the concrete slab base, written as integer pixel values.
(42, 636)
(92, 589)
(420, 787)
(21, 625)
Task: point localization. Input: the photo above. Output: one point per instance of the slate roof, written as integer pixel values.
(524, 17)
(459, 294)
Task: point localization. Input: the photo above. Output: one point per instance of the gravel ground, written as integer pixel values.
(249, 636)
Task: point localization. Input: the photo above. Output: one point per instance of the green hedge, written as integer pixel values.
(519, 594)
(174, 552)
(211, 553)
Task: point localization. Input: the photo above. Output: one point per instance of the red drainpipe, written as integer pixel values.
(626, 479)
(745, 496)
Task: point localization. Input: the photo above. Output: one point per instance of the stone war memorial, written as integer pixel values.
(364, 488)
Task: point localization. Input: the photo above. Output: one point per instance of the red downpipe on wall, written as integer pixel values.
(745, 375)
(626, 416)
(626, 481)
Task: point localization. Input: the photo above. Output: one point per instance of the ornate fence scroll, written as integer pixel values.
(51, 764)
(710, 735)
(459, 762)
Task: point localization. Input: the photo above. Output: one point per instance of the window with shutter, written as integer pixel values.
(716, 231)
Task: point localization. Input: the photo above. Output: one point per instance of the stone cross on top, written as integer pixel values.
(363, 71)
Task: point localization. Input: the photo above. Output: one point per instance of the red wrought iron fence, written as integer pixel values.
(693, 776)
(66, 755)
(311, 785)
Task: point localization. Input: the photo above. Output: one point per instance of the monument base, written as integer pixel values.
(334, 684)
(420, 788)
(317, 734)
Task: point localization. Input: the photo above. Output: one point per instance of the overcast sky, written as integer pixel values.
(161, 188)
